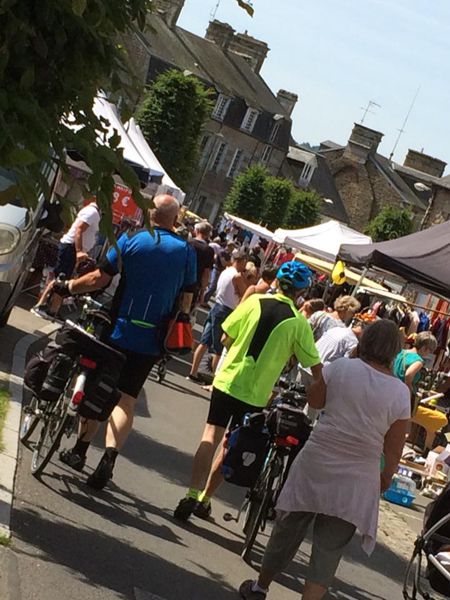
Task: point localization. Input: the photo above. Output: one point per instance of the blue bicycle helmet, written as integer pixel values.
(294, 274)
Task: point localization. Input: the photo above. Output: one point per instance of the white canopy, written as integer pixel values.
(135, 148)
(322, 240)
(249, 226)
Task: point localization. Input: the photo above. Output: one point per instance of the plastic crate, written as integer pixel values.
(403, 498)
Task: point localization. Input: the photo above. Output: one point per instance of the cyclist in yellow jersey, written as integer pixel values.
(261, 335)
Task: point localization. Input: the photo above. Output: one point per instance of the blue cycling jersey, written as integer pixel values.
(154, 270)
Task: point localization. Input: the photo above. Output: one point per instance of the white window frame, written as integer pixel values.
(205, 142)
(249, 120)
(275, 130)
(221, 107)
(219, 157)
(235, 163)
(307, 173)
(266, 153)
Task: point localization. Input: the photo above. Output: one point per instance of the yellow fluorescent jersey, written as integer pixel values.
(266, 331)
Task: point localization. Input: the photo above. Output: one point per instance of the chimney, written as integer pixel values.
(220, 33)
(255, 51)
(288, 100)
(362, 143)
(424, 163)
(169, 10)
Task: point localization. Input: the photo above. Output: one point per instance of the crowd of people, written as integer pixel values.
(261, 314)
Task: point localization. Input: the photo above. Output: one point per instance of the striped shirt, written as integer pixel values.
(335, 343)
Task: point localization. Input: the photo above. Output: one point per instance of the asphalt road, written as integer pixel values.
(70, 543)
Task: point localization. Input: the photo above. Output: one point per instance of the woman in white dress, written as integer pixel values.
(335, 482)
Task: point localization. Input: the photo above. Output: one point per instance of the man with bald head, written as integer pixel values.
(154, 268)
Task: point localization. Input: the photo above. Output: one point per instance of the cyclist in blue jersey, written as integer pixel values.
(155, 268)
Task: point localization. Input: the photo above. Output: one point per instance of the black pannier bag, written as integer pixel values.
(57, 377)
(101, 392)
(287, 421)
(38, 366)
(245, 451)
(101, 395)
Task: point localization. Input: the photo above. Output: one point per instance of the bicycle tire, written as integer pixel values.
(29, 421)
(257, 510)
(50, 436)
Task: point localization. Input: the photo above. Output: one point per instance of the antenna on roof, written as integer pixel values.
(401, 131)
(214, 10)
(367, 109)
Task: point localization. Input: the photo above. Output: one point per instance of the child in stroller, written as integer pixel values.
(433, 545)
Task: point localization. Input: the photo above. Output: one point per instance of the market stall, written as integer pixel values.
(367, 285)
(422, 258)
(254, 228)
(322, 240)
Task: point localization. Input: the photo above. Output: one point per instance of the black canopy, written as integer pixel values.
(422, 258)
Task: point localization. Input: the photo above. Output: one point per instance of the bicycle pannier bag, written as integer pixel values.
(101, 395)
(57, 377)
(37, 367)
(245, 451)
(285, 421)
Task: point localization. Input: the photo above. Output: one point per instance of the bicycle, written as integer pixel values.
(86, 357)
(289, 428)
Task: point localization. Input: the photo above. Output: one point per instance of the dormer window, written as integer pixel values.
(221, 107)
(266, 154)
(249, 120)
(273, 134)
(306, 174)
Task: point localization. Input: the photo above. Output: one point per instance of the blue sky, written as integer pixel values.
(339, 54)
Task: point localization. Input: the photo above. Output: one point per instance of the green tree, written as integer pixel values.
(246, 198)
(391, 222)
(303, 209)
(54, 58)
(171, 117)
(277, 195)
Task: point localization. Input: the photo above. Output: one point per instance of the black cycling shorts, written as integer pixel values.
(135, 371)
(227, 411)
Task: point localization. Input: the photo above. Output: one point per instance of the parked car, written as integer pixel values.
(20, 230)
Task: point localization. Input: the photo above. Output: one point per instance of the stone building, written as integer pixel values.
(364, 181)
(248, 124)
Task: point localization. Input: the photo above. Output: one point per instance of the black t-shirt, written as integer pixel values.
(205, 257)
(224, 256)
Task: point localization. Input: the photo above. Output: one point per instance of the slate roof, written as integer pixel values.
(230, 73)
(443, 182)
(386, 167)
(322, 181)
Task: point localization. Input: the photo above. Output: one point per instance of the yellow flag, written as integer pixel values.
(246, 5)
(338, 273)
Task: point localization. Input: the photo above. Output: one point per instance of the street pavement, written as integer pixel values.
(71, 543)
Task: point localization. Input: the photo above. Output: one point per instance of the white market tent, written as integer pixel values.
(135, 148)
(322, 240)
(249, 226)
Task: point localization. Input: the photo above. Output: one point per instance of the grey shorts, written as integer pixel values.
(330, 538)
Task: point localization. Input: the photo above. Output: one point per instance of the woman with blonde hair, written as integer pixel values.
(335, 482)
(345, 308)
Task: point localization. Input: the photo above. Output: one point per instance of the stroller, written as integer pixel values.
(432, 546)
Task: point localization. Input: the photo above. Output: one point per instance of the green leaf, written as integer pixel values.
(79, 6)
(21, 157)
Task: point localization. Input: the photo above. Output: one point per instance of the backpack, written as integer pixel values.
(244, 455)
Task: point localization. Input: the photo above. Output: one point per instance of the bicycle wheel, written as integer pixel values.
(30, 420)
(55, 422)
(260, 501)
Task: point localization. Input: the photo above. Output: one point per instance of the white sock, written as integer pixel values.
(257, 588)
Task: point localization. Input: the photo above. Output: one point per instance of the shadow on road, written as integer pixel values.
(107, 562)
(172, 464)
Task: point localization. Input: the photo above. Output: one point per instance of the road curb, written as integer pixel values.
(8, 458)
